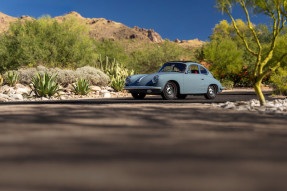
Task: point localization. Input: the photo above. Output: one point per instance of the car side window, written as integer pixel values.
(193, 69)
(203, 70)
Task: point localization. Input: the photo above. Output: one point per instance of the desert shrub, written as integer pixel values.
(48, 42)
(112, 49)
(92, 75)
(279, 81)
(11, 78)
(45, 85)
(228, 84)
(151, 57)
(82, 87)
(65, 77)
(1, 80)
(26, 75)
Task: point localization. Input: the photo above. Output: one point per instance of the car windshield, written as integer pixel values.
(173, 67)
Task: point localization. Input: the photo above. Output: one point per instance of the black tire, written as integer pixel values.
(169, 91)
(181, 96)
(211, 92)
(138, 95)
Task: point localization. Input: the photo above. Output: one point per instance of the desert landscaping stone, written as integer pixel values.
(107, 95)
(104, 91)
(23, 90)
(278, 106)
(16, 97)
(95, 88)
(24, 93)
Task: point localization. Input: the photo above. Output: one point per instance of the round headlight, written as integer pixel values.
(128, 80)
(155, 79)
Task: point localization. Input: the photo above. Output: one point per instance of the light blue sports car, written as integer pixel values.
(175, 79)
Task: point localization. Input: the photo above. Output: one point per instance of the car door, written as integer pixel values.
(205, 79)
(193, 81)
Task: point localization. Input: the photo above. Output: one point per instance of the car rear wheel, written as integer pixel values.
(169, 91)
(181, 96)
(211, 92)
(138, 95)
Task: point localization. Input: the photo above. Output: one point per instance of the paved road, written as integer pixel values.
(144, 146)
(221, 98)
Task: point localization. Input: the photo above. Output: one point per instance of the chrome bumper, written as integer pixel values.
(141, 88)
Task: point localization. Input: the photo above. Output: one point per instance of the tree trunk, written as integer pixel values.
(258, 91)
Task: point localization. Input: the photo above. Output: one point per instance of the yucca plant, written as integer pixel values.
(118, 83)
(11, 78)
(82, 87)
(46, 85)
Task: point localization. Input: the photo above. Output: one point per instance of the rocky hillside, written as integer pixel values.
(5, 20)
(101, 28)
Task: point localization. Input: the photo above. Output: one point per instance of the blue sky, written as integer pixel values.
(183, 19)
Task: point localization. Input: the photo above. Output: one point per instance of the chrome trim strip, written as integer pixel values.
(141, 88)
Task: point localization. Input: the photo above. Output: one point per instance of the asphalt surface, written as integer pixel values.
(150, 145)
(221, 98)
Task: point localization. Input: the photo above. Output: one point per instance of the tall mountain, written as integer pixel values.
(101, 28)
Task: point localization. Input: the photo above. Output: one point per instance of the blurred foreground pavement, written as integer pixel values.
(140, 147)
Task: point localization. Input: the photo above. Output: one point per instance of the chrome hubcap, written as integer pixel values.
(211, 91)
(169, 89)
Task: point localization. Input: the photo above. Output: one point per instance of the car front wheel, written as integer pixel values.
(211, 92)
(138, 95)
(169, 91)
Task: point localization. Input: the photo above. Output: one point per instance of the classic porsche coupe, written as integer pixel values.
(175, 79)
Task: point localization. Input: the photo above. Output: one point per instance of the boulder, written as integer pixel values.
(95, 88)
(104, 91)
(107, 95)
(4, 97)
(22, 91)
(16, 97)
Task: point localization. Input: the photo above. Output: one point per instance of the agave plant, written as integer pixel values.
(45, 85)
(82, 87)
(11, 78)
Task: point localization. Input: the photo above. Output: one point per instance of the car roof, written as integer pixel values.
(184, 62)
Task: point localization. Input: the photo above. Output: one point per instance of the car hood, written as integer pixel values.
(146, 79)
(142, 79)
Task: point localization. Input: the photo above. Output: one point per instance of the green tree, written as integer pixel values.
(46, 41)
(225, 53)
(276, 10)
(225, 56)
(151, 57)
(112, 50)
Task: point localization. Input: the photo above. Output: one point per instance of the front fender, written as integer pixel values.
(164, 79)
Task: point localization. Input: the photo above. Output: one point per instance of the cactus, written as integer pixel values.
(1, 80)
(116, 71)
